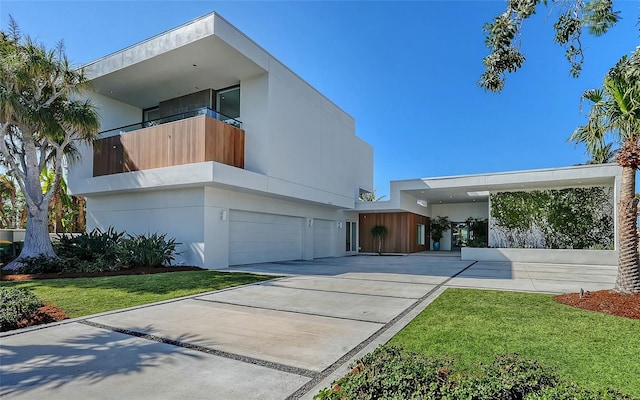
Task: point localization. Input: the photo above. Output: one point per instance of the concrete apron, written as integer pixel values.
(285, 338)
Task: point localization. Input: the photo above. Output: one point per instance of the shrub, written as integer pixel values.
(99, 264)
(148, 250)
(6, 252)
(89, 246)
(570, 391)
(388, 373)
(98, 251)
(391, 374)
(40, 265)
(508, 377)
(16, 304)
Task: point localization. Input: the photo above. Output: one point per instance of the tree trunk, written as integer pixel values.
(628, 280)
(37, 241)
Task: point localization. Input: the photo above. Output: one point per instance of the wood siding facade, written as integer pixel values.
(402, 232)
(187, 141)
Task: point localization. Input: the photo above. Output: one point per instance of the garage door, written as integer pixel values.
(257, 237)
(323, 238)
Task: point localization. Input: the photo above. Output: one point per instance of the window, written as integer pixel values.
(350, 232)
(228, 102)
(151, 114)
(421, 234)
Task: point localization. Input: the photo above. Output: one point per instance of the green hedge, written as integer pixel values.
(388, 373)
(573, 218)
(16, 304)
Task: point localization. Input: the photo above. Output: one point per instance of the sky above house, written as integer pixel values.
(405, 70)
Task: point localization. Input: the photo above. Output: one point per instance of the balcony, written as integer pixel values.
(192, 137)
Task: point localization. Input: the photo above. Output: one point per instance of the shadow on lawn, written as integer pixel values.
(86, 359)
(152, 284)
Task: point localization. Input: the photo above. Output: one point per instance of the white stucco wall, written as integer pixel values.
(179, 213)
(254, 113)
(113, 114)
(550, 256)
(311, 140)
(199, 219)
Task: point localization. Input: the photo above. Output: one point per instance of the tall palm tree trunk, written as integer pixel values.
(628, 280)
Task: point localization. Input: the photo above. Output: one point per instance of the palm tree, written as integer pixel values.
(61, 206)
(39, 123)
(8, 195)
(615, 111)
(370, 196)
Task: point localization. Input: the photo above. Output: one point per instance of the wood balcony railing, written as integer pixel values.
(186, 141)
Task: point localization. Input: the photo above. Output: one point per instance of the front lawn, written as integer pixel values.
(593, 349)
(85, 296)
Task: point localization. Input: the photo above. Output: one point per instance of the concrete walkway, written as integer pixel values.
(285, 338)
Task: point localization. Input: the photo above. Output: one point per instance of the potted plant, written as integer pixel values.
(379, 231)
(438, 226)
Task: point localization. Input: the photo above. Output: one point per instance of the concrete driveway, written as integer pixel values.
(279, 339)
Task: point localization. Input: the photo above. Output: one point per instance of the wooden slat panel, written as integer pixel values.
(107, 156)
(224, 143)
(402, 232)
(181, 142)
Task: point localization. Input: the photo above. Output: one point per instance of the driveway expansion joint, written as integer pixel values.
(288, 311)
(338, 291)
(249, 360)
(304, 389)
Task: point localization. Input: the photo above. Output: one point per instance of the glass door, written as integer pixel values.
(351, 236)
(459, 235)
(228, 103)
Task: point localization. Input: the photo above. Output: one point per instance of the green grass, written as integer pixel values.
(593, 349)
(84, 296)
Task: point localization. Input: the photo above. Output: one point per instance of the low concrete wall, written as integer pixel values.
(17, 235)
(551, 256)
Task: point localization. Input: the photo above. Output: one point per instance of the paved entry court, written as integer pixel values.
(279, 339)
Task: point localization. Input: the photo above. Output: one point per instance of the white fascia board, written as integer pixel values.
(156, 45)
(241, 42)
(206, 174)
(183, 35)
(587, 173)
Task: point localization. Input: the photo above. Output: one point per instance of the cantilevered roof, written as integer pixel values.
(205, 53)
(470, 188)
(463, 189)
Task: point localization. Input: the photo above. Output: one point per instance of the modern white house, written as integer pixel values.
(210, 139)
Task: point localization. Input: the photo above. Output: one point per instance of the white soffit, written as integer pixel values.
(178, 62)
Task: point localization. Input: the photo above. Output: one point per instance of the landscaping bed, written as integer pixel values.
(139, 270)
(604, 301)
(44, 315)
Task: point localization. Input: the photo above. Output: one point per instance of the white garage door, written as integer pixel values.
(256, 237)
(323, 238)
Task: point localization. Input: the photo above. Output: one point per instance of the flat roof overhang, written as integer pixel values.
(205, 53)
(414, 195)
(469, 188)
(203, 174)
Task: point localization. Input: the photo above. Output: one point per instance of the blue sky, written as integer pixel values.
(406, 71)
